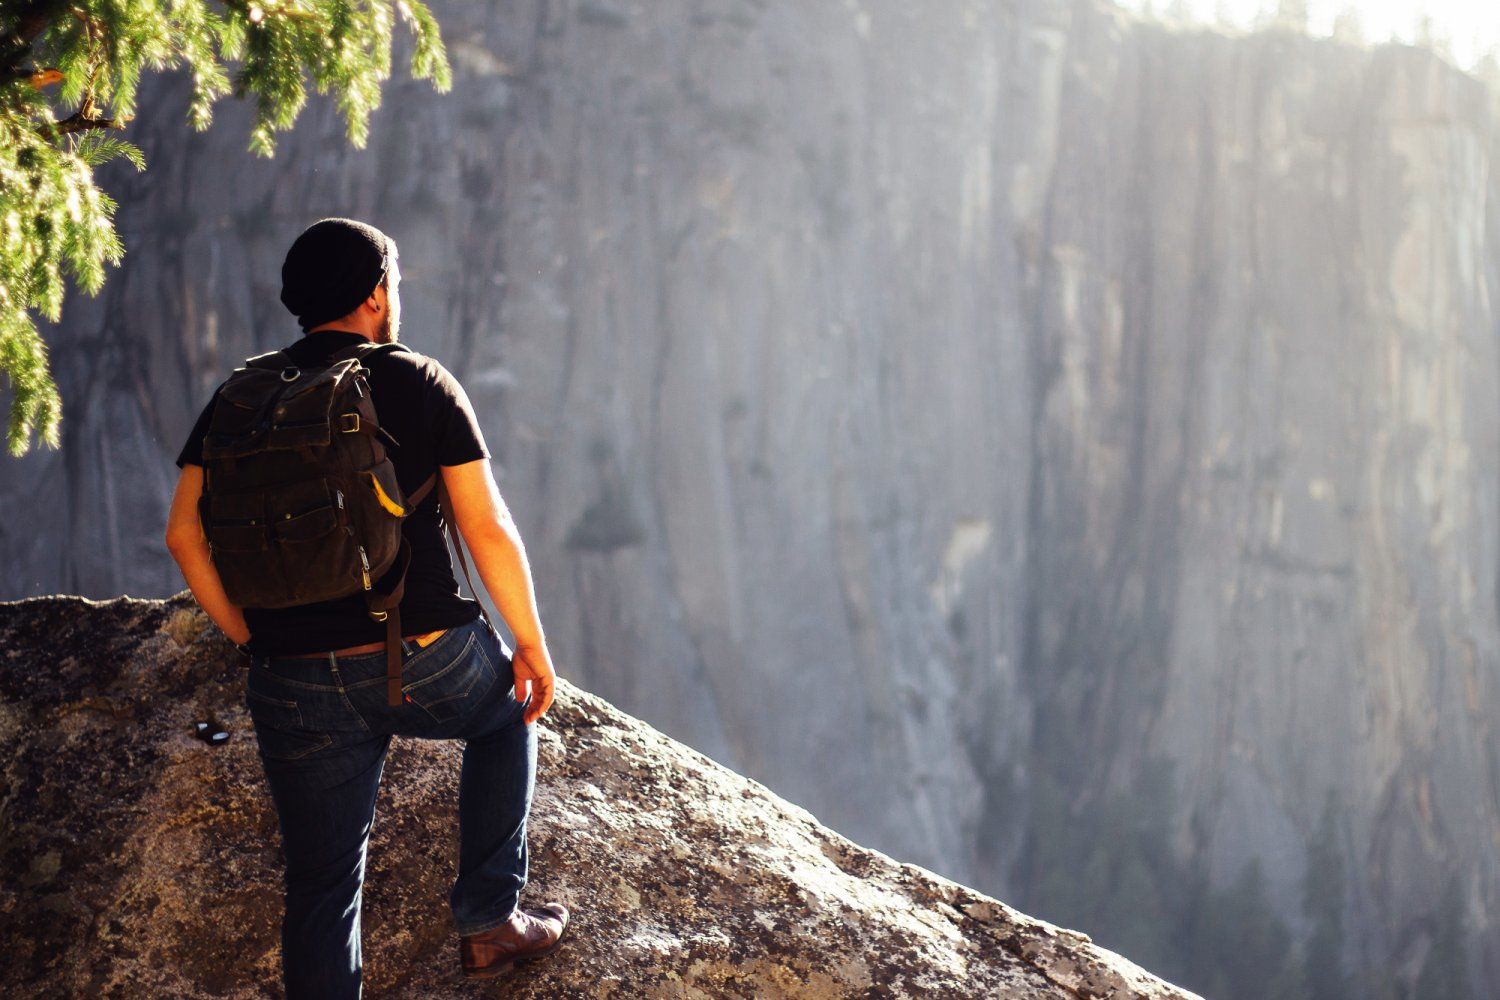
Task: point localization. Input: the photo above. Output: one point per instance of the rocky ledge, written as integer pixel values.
(141, 862)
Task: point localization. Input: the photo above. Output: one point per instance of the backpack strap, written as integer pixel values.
(272, 360)
(420, 493)
(386, 606)
(450, 531)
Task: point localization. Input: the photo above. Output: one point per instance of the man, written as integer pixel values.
(316, 690)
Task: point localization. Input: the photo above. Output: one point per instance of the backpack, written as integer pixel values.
(300, 501)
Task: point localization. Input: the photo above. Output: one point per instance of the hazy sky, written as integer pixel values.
(1470, 27)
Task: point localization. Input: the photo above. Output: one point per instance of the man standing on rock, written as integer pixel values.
(317, 688)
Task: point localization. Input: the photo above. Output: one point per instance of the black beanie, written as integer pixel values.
(332, 267)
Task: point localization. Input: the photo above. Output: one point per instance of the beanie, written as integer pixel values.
(332, 267)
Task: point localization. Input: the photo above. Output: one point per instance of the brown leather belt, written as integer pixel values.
(425, 639)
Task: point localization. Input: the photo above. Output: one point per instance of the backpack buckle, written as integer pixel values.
(380, 616)
(347, 427)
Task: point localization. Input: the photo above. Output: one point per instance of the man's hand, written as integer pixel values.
(486, 525)
(533, 664)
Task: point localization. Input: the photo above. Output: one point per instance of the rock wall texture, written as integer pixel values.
(964, 418)
(140, 862)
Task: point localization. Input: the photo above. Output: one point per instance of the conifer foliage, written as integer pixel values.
(86, 58)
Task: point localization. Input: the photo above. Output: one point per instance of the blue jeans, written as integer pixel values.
(323, 727)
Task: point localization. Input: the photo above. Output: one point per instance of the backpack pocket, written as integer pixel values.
(239, 543)
(248, 537)
(289, 545)
(320, 556)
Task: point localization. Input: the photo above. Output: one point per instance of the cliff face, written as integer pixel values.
(141, 862)
(1061, 430)
(1262, 543)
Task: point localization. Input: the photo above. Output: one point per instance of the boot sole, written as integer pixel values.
(500, 969)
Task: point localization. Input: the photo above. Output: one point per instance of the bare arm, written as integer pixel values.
(487, 528)
(188, 546)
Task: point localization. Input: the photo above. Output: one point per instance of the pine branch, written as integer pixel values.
(56, 225)
(79, 122)
(31, 21)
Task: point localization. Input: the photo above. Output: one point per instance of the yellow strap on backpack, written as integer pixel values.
(390, 505)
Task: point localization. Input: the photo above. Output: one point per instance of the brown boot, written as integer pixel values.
(528, 934)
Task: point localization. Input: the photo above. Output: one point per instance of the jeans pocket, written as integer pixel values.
(445, 688)
(279, 730)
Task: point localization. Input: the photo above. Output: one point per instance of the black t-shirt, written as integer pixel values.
(425, 409)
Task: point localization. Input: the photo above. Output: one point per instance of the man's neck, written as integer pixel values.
(336, 329)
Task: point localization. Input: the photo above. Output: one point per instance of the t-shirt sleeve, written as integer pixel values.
(192, 451)
(457, 438)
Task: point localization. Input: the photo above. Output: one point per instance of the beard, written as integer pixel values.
(390, 329)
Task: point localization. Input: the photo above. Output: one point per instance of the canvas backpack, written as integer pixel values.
(300, 501)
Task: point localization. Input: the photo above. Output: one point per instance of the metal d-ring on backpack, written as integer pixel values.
(300, 500)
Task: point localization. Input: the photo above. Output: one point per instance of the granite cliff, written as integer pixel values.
(1078, 436)
(141, 862)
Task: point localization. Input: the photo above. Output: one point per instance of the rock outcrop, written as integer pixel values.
(141, 862)
(1028, 412)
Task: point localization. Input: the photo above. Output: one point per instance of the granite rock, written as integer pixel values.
(141, 862)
